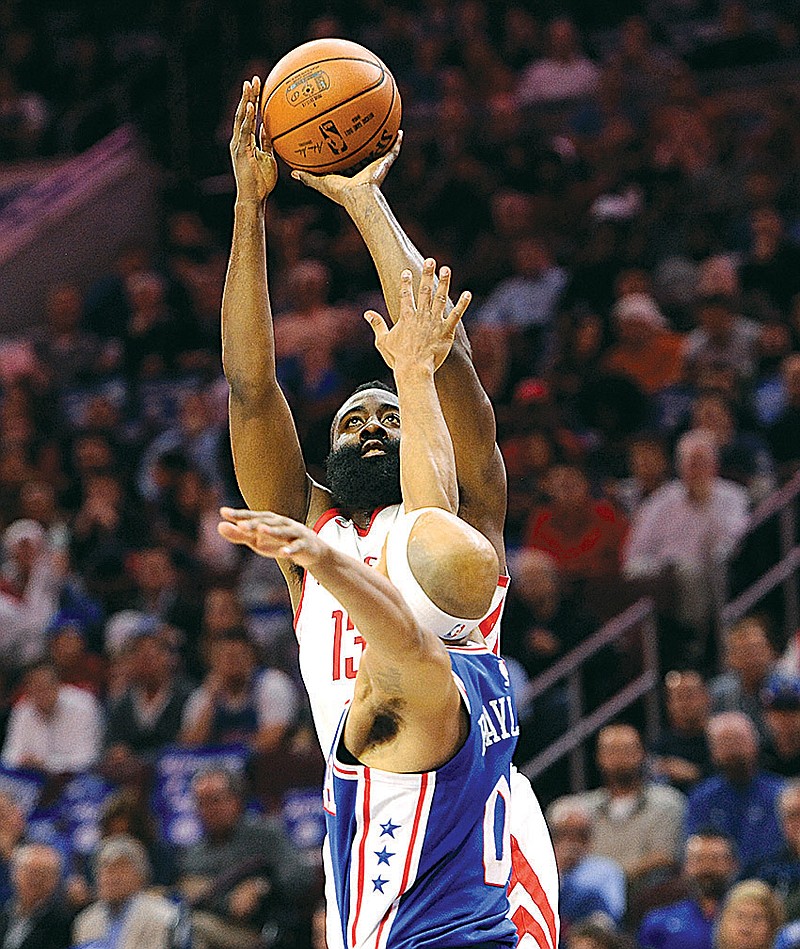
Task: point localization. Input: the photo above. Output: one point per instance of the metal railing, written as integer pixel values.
(781, 504)
(641, 615)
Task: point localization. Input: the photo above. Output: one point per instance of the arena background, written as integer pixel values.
(618, 185)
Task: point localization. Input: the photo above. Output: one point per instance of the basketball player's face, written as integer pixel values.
(364, 464)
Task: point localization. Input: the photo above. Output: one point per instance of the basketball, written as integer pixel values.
(330, 106)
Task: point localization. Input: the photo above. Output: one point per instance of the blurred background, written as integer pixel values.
(618, 185)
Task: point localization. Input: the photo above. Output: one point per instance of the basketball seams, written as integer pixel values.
(379, 129)
(319, 115)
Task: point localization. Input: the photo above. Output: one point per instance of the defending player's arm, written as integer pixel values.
(414, 348)
(466, 407)
(266, 449)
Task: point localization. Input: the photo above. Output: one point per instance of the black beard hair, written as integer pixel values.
(364, 484)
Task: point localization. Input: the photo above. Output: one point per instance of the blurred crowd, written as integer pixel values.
(619, 189)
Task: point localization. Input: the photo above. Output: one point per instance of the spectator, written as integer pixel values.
(563, 72)
(69, 354)
(649, 470)
(772, 268)
(691, 524)
(125, 813)
(148, 715)
(588, 884)
(748, 657)
(541, 624)
(709, 868)
(243, 874)
(34, 918)
(521, 309)
(238, 702)
(780, 701)
(782, 872)
(584, 536)
(722, 337)
(646, 350)
(160, 593)
(744, 457)
(738, 800)
(784, 433)
(73, 662)
(636, 822)
(55, 728)
(681, 753)
(124, 914)
(33, 576)
(750, 918)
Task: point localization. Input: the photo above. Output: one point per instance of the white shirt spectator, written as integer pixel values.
(69, 740)
(669, 528)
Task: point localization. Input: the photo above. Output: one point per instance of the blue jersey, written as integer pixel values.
(423, 860)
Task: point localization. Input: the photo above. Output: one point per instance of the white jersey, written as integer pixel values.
(330, 650)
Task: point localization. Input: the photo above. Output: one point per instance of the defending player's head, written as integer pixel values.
(445, 570)
(363, 466)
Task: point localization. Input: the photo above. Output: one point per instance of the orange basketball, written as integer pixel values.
(330, 106)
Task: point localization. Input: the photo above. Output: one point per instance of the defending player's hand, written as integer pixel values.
(340, 188)
(254, 167)
(272, 535)
(424, 331)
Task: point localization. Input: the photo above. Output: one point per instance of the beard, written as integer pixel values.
(710, 886)
(363, 484)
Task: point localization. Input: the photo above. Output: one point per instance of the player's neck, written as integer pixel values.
(362, 519)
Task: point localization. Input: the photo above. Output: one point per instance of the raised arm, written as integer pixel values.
(415, 348)
(266, 449)
(466, 407)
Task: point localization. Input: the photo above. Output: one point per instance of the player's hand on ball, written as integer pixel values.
(272, 535)
(341, 189)
(254, 165)
(424, 331)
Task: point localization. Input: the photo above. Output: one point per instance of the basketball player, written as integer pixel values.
(417, 782)
(262, 428)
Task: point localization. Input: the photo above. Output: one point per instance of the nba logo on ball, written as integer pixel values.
(330, 106)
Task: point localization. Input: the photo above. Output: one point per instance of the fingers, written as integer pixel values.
(425, 294)
(454, 317)
(244, 120)
(378, 324)
(379, 169)
(439, 306)
(310, 181)
(407, 305)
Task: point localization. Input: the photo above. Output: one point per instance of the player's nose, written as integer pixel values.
(373, 428)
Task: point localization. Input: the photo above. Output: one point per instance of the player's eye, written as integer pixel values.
(353, 422)
(392, 417)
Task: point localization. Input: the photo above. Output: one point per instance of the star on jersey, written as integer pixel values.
(383, 855)
(389, 828)
(379, 884)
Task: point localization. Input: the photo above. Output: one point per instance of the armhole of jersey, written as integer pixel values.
(320, 522)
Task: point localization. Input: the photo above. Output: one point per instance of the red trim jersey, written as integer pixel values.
(330, 649)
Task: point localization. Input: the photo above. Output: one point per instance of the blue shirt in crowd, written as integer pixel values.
(748, 815)
(679, 926)
(594, 885)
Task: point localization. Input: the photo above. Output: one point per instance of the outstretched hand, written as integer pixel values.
(339, 187)
(254, 167)
(424, 331)
(272, 535)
